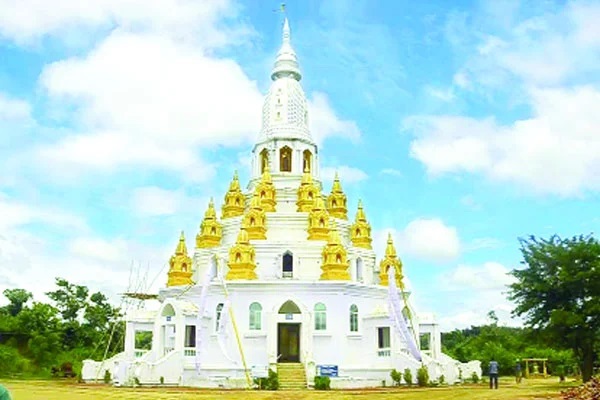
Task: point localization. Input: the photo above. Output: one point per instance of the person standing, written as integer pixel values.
(493, 374)
(518, 371)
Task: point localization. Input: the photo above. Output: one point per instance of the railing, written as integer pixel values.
(384, 353)
(189, 352)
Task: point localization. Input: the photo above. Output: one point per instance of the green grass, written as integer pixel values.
(60, 390)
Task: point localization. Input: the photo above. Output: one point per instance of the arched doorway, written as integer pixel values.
(168, 329)
(288, 333)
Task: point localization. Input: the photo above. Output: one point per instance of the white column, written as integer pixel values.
(129, 339)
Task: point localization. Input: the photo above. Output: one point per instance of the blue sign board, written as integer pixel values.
(327, 370)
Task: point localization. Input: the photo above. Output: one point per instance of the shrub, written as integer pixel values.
(588, 391)
(107, 376)
(162, 380)
(442, 379)
(474, 377)
(322, 383)
(269, 383)
(136, 381)
(408, 376)
(422, 376)
(396, 376)
(12, 362)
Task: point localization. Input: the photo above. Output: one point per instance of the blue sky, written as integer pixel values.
(461, 125)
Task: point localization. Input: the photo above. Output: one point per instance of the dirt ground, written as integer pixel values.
(63, 390)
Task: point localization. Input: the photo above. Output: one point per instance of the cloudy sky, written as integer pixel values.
(462, 125)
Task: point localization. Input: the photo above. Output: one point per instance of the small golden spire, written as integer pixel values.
(211, 230)
(266, 190)
(335, 257)
(336, 201)
(180, 265)
(390, 260)
(360, 233)
(234, 203)
(307, 192)
(318, 221)
(255, 219)
(241, 258)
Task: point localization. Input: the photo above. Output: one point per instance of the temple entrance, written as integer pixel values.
(288, 342)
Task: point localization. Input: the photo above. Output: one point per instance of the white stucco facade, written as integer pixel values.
(352, 329)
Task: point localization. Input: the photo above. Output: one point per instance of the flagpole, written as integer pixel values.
(237, 335)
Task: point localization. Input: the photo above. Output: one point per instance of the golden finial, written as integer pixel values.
(180, 265)
(335, 257)
(255, 219)
(234, 203)
(318, 220)
(241, 258)
(266, 190)
(390, 260)
(360, 233)
(336, 201)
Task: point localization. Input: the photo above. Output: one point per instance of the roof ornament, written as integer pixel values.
(286, 63)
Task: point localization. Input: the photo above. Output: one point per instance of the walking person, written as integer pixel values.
(493, 374)
(518, 371)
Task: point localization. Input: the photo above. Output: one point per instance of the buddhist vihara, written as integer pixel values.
(282, 277)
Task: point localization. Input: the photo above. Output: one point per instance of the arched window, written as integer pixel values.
(285, 159)
(359, 269)
(353, 318)
(264, 160)
(287, 265)
(184, 267)
(218, 315)
(306, 161)
(255, 316)
(320, 317)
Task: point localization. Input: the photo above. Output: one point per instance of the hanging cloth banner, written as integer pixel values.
(222, 331)
(201, 308)
(396, 315)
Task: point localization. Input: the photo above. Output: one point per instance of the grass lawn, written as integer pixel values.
(61, 390)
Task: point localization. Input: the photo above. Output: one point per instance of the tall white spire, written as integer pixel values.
(286, 63)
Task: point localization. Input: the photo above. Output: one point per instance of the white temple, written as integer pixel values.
(283, 280)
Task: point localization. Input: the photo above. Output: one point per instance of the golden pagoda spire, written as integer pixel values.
(360, 232)
(335, 257)
(307, 192)
(180, 265)
(211, 230)
(241, 258)
(318, 221)
(234, 203)
(336, 202)
(390, 260)
(266, 190)
(254, 221)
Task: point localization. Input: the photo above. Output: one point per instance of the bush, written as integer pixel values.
(107, 376)
(474, 377)
(408, 376)
(322, 383)
(396, 377)
(162, 380)
(588, 391)
(12, 362)
(442, 379)
(422, 376)
(269, 383)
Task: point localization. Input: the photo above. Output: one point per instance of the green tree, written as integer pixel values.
(558, 293)
(17, 298)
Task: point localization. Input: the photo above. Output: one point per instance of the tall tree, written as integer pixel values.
(558, 293)
(18, 298)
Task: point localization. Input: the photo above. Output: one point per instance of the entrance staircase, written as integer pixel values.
(291, 376)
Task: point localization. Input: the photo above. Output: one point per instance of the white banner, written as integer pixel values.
(396, 315)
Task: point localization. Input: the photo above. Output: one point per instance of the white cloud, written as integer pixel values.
(154, 201)
(489, 276)
(27, 20)
(98, 249)
(425, 238)
(324, 122)
(346, 174)
(14, 109)
(16, 214)
(555, 151)
(470, 202)
(445, 95)
(391, 171)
